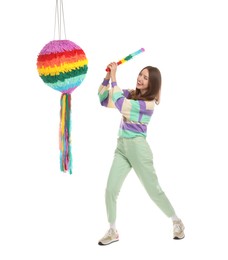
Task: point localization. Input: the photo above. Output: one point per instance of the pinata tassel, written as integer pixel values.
(65, 133)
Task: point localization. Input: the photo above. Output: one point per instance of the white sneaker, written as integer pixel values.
(110, 237)
(178, 229)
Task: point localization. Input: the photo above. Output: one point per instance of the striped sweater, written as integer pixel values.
(136, 114)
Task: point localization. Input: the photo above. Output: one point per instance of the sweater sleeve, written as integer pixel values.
(133, 110)
(105, 94)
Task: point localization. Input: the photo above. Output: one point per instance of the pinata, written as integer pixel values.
(62, 65)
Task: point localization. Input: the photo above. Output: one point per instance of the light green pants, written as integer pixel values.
(134, 153)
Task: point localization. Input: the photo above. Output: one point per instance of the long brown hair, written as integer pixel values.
(154, 86)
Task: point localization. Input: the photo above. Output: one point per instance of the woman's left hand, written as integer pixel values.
(113, 68)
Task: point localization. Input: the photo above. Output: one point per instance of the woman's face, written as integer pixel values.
(142, 81)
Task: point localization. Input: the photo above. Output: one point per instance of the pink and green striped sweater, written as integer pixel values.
(136, 114)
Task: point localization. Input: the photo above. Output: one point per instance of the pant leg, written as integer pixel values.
(118, 172)
(141, 159)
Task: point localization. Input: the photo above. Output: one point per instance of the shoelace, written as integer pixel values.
(109, 233)
(177, 227)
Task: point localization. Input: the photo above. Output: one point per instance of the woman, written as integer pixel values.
(133, 151)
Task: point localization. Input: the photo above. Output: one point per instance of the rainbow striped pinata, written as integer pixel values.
(63, 65)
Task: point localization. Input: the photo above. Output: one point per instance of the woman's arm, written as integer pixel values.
(133, 110)
(104, 92)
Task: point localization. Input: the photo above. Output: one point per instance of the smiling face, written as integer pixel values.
(148, 85)
(143, 81)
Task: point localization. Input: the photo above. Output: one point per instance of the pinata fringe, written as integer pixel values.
(65, 133)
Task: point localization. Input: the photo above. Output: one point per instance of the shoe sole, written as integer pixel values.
(100, 244)
(178, 238)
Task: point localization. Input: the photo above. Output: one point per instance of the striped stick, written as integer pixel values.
(127, 58)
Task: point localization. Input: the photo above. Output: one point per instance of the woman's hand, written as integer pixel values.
(113, 68)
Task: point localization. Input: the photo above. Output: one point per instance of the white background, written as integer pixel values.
(46, 214)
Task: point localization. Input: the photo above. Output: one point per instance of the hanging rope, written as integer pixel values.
(59, 20)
